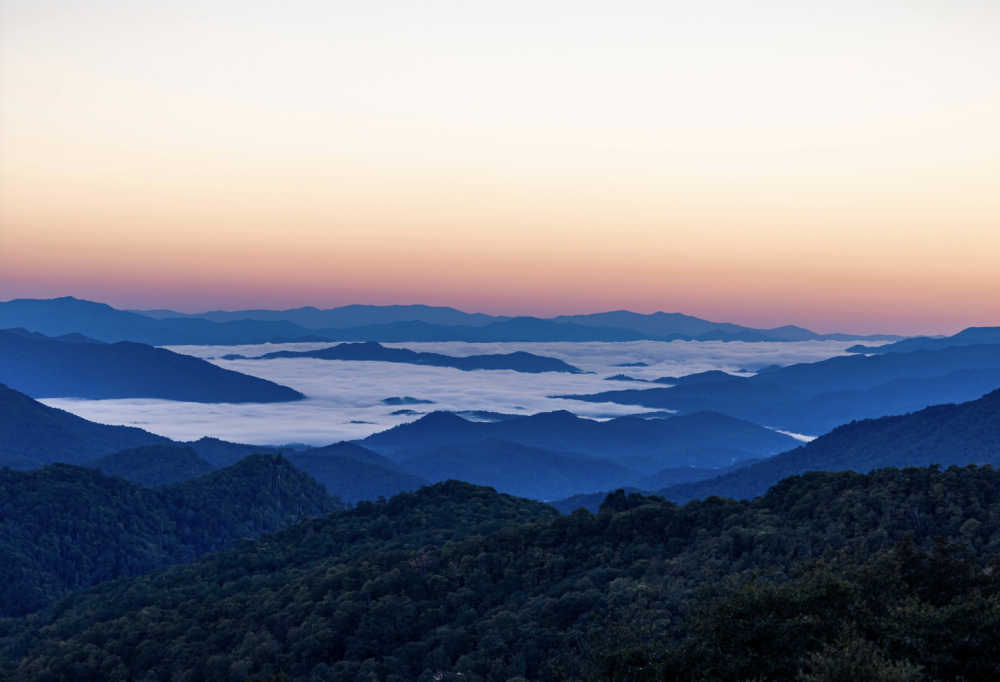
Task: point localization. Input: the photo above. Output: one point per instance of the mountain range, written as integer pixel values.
(973, 336)
(705, 439)
(941, 435)
(548, 456)
(812, 398)
(33, 435)
(967, 433)
(60, 316)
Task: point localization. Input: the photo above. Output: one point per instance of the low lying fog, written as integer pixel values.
(344, 399)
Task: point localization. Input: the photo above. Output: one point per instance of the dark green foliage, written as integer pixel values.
(32, 434)
(65, 527)
(153, 465)
(943, 434)
(825, 576)
(54, 369)
(590, 501)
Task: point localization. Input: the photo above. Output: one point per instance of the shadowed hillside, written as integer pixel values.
(943, 434)
(32, 434)
(53, 369)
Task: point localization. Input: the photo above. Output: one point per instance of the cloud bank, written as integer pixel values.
(345, 399)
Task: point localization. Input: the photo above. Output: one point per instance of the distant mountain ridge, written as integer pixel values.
(644, 445)
(388, 324)
(371, 351)
(967, 433)
(973, 336)
(341, 317)
(519, 470)
(812, 398)
(60, 316)
(33, 434)
(44, 368)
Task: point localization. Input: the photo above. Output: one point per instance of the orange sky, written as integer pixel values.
(834, 166)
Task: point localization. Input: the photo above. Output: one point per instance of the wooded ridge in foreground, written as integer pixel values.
(886, 576)
(64, 527)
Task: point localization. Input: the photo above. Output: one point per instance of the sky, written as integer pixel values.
(830, 164)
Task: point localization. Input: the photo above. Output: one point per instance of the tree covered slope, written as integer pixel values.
(827, 571)
(64, 527)
(153, 465)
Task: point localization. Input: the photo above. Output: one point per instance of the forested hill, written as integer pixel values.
(153, 465)
(54, 369)
(65, 527)
(456, 582)
(32, 434)
(944, 434)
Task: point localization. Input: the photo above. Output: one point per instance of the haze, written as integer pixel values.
(833, 165)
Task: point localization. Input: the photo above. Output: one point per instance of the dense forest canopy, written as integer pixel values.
(153, 465)
(64, 527)
(889, 575)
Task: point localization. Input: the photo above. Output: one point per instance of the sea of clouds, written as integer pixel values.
(344, 399)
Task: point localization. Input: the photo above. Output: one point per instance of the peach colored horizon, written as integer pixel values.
(830, 165)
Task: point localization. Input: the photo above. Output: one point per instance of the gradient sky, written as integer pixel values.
(829, 164)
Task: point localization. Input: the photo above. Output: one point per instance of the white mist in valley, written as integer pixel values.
(344, 400)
